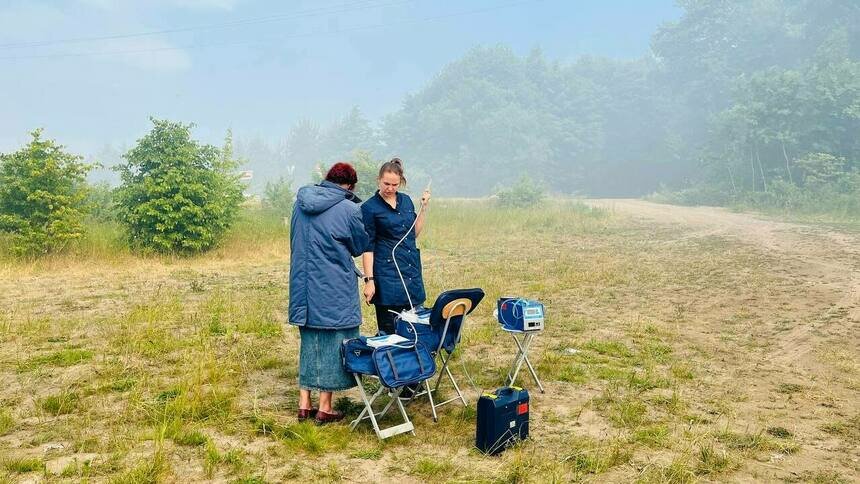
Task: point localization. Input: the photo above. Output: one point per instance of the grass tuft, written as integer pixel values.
(756, 443)
(61, 403)
(63, 358)
(7, 422)
(23, 465)
(433, 469)
(711, 461)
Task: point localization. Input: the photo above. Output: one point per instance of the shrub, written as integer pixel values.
(366, 168)
(100, 202)
(278, 197)
(177, 196)
(42, 196)
(525, 193)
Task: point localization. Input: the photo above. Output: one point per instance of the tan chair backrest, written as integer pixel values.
(457, 307)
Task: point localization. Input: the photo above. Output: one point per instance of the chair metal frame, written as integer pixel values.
(457, 307)
(369, 414)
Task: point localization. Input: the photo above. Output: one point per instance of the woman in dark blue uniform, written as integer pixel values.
(387, 216)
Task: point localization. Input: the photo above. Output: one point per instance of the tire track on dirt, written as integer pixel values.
(803, 376)
(823, 255)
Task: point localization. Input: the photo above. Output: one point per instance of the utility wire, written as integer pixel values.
(334, 9)
(280, 38)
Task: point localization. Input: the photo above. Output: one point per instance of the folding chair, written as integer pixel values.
(446, 324)
(361, 360)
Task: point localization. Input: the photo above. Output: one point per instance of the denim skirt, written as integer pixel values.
(320, 366)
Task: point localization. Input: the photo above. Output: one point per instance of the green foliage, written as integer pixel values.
(100, 202)
(781, 136)
(279, 196)
(177, 196)
(348, 134)
(491, 114)
(42, 197)
(7, 423)
(23, 465)
(366, 168)
(820, 169)
(59, 403)
(525, 193)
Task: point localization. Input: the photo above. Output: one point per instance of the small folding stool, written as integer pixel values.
(523, 345)
(445, 328)
(358, 359)
(368, 412)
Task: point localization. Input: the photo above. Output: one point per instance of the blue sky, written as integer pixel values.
(258, 66)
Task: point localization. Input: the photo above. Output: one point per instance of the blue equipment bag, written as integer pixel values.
(357, 356)
(398, 366)
(394, 365)
(503, 419)
(427, 335)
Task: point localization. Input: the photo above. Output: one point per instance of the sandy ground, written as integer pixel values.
(794, 362)
(819, 352)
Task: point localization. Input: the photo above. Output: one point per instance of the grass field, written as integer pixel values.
(670, 355)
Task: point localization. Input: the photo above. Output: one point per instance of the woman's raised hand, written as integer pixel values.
(425, 197)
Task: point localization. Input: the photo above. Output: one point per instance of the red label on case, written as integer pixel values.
(522, 408)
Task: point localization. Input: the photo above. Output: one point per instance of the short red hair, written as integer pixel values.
(342, 174)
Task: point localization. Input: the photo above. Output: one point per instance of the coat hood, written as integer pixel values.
(314, 199)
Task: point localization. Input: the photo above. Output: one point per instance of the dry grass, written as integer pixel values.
(659, 359)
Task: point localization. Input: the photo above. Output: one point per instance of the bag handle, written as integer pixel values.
(393, 366)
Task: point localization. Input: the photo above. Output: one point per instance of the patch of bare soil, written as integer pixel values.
(799, 373)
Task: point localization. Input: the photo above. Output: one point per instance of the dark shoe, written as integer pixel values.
(409, 392)
(306, 413)
(325, 417)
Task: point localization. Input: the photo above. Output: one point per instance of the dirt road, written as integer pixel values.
(824, 253)
(813, 358)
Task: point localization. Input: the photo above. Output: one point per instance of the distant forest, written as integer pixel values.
(735, 98)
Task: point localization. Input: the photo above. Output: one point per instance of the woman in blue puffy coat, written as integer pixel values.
(326, 232)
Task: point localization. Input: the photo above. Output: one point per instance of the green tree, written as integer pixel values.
(278, 197)
(344, 136)
(177, 196)
(366, 168)
(491, 115)
(42, 196)
(303, 147)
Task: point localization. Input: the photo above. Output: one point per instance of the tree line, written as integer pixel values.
(752, 100)
(735, 99)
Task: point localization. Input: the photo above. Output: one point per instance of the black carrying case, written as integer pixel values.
(503, 419)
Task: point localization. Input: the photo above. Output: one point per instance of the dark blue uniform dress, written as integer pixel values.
(385, 226)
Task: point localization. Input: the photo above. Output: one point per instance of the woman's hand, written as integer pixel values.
(369, 291)
(425, 197)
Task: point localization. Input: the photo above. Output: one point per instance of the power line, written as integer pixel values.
(280, 38)
(335, 9)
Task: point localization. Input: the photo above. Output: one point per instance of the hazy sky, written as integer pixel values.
(91, 71)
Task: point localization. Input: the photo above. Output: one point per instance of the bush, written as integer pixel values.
(839, 198)
(699, 194)
(177, 196)
(366, 168)
(278, 197)
(100, 202)
(525, 193)
(42, 197)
